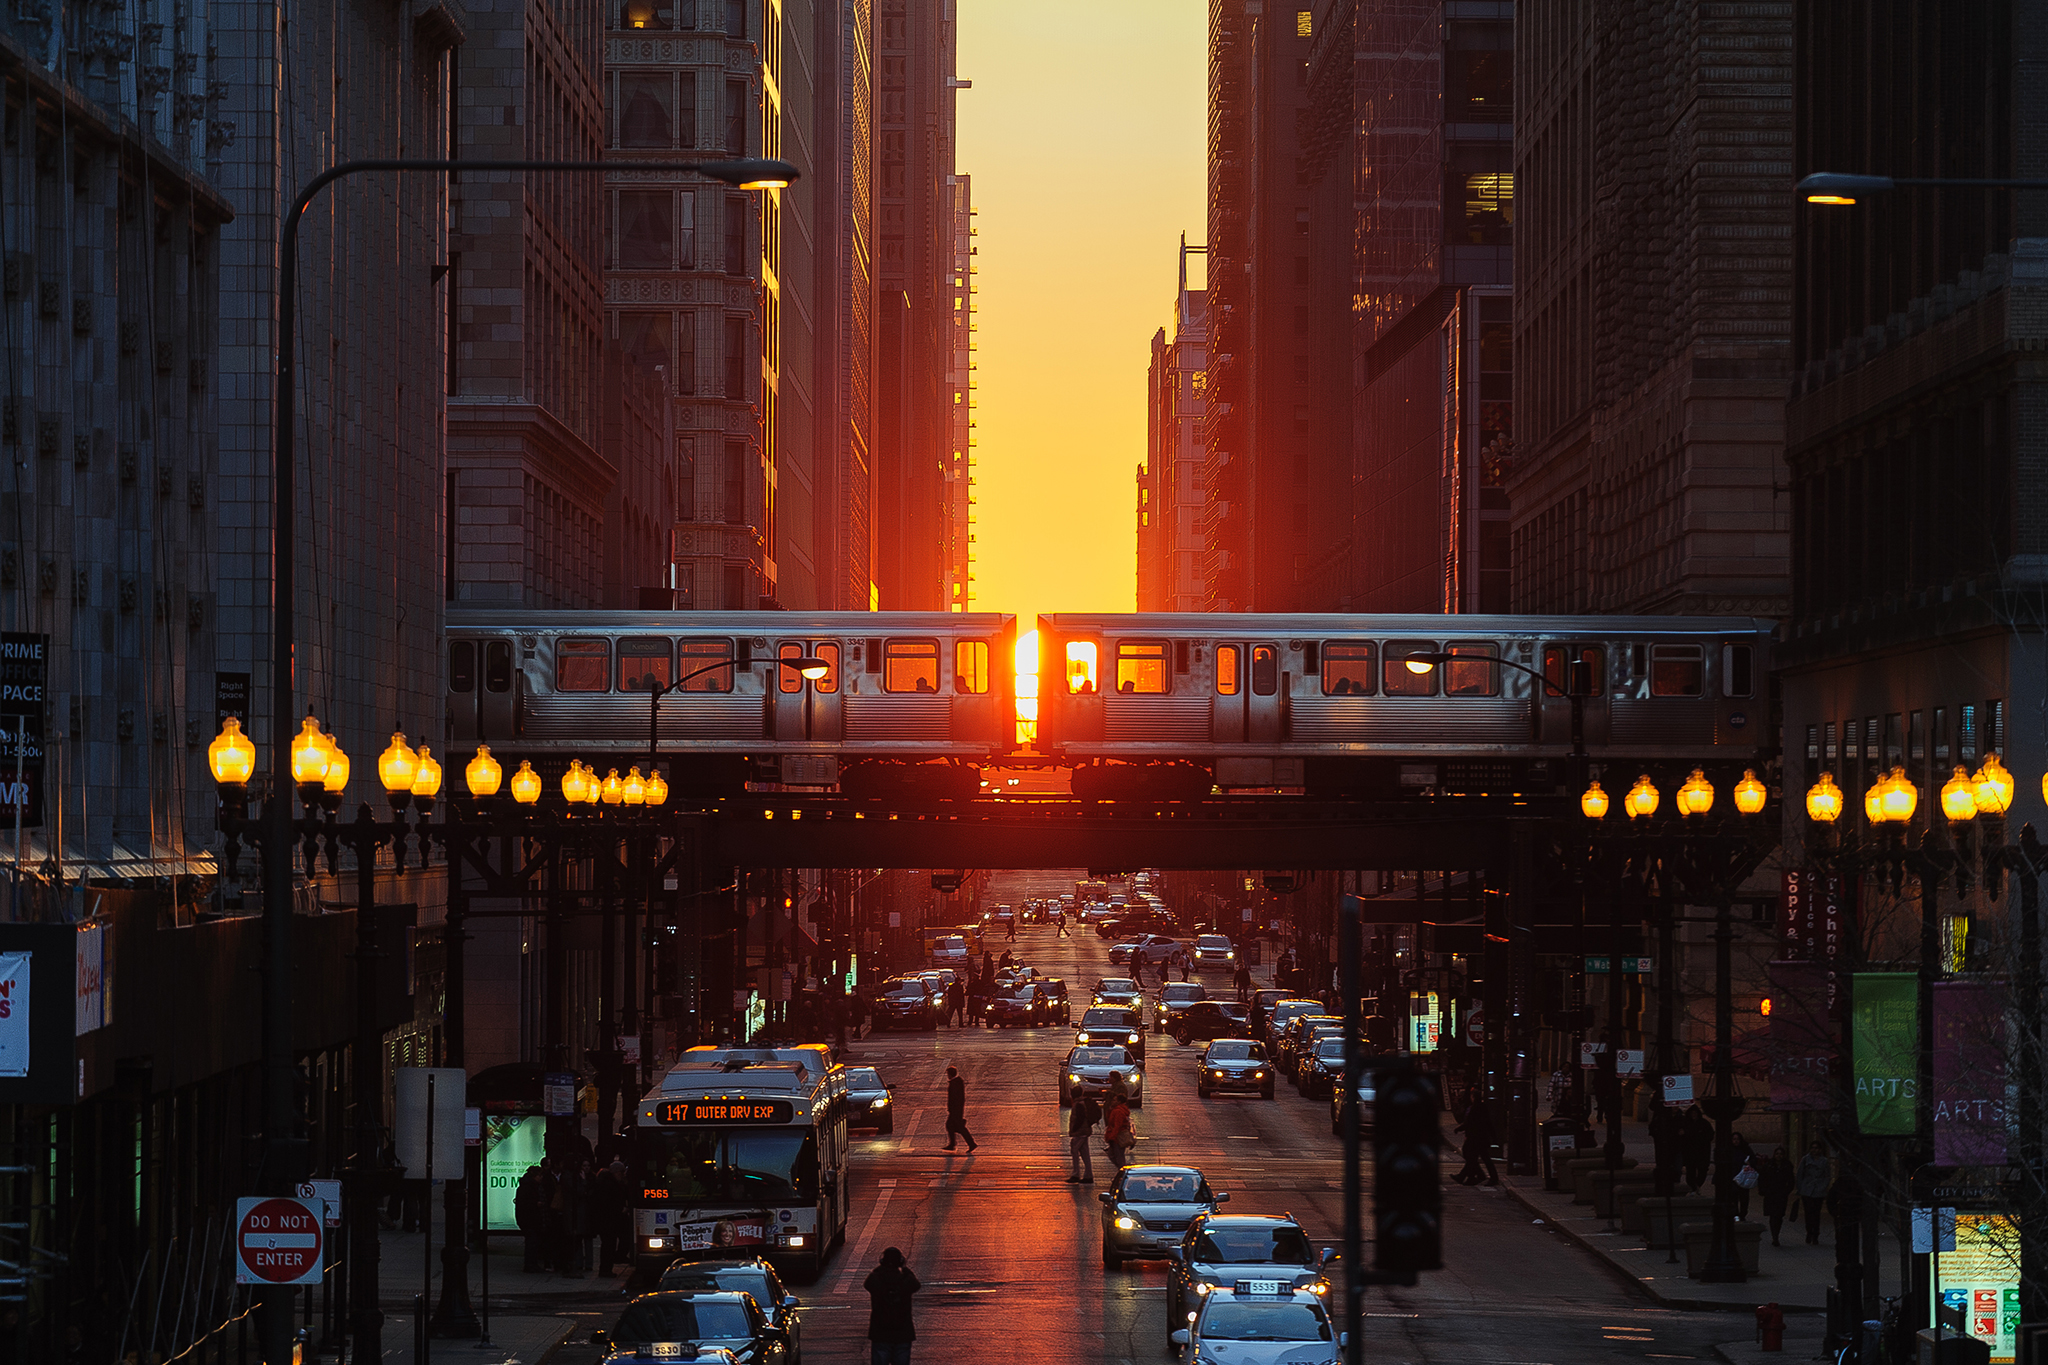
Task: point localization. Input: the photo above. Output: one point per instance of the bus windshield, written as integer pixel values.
(752, 1166)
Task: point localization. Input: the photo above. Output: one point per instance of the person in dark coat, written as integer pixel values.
(890, 1330)
(956, 1109)
(1774, 1182)
(1478, 1149)
(1243, 982)
(1698, 1146)
(1810, 1181)
(1740, 1154)
(529, 1209)
(1667, 1138)
(608, 1206)
(956, 1001)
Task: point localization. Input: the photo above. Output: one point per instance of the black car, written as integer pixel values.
(676, 1323)
(1020, 1006)
(1206, 1019)
(1106, 1026)
(870, 1103)
(1323, 1070)
(742, 1275)
(906, 1002)
(1220, 1249)
(1058, 1009)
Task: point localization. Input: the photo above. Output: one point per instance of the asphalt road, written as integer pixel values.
(1010, 1254)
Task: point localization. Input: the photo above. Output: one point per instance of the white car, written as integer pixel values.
(1151, 947)
(1261, 1322)
(1215, 950)
(1118, 990)
(1094, 1070)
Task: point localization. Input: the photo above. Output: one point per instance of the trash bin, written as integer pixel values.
(1560, 1142)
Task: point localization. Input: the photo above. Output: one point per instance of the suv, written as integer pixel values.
(1108, 1026)
(906, 1002)
(1229, 1248)
(1299, 1040)
(1215, 950)
(742, 1275)
(1282, 1013)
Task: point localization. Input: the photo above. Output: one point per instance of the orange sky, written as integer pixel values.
(1084, 134)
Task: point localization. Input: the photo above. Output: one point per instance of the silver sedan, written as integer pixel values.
(1146, 1211)
(1097, 1071)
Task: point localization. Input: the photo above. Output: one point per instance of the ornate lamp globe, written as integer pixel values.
(1594, 802)
(574, 781)
(231, 756)
(1749, 793)
(1696, 796)
(526, 784)
(1959, 796)
(1824, 800)
(484, 773)
(396, 770)
(1994, 787)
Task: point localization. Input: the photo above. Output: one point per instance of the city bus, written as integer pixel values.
(742, 1151)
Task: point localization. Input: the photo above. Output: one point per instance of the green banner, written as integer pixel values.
(1886, 1039)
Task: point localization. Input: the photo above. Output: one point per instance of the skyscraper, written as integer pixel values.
(1170, 493)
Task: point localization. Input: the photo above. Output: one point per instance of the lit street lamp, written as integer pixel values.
(1833, 189)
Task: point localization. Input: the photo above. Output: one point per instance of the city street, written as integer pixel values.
(1010, 1254)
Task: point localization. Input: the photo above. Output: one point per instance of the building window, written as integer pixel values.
(686, 476)
(1479, 74)
(644, 339)
(646, 234)
(736, 483)
(736, 588)
(1479, 197)
(686, 352)
(644, 119)
(1080, 667)
(736, 18)
(686, 231)
(686, 110)
(735, 357)
(736, 108)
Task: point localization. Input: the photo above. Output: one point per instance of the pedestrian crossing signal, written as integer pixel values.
(1407, 1184)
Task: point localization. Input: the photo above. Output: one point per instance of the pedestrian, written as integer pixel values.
(977, 999)
(1667, 1138)
(1258, 1021)
(1119, 1134)
(1244, 983)
(1182, 957)
(1742, 1157)
(573, 1191)
(890, 1331)
(1697, 1142)
(1081, 1121)
(988, 964)
(1012, 938)
(1009, 961)
(1137, 967)
(1774, 1181)
(1059, 922)
(956, 1002)
(529, 1212)
(1811, 1182)
(956, 1109)
(1478, 1149)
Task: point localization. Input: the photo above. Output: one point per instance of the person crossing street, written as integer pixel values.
(956, 1109)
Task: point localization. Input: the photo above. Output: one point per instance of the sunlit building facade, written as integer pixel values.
(958, 559)
(1170, 490)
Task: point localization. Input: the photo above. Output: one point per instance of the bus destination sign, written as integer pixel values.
(723, 1110)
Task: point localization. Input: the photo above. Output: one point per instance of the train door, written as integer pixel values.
(1569, 668)
(482, 702)
(974, 703)
(808, 709)
(1247, 703)
(462, 689)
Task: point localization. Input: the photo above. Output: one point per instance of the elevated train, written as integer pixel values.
(1155, 707)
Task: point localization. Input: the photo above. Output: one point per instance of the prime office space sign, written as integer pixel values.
(24, 682)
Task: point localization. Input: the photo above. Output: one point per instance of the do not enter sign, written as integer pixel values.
(278, 1241)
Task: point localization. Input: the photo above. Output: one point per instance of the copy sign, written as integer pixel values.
(1677, 1089)
(278, 1241)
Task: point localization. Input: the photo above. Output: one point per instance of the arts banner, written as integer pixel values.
(1970, 1116)
(1884, 1014)
(1799, 1046)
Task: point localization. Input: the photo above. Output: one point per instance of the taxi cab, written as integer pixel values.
(1220, 1249)
(1261, 1323)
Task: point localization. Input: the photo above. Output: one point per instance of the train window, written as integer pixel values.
(1081, 677)
(826, 653)
(583, 665)
(1829, 753)
(1473, 672)
(910, 666)
(1265, 670)
(1677, 671)
(970, 666)
(1737, 668)
(692, 655)
(789, 679)
(461, 666)
(1226, 671)
(1558, 662)
(1180, 656)
(1398, 680)
(645, 663)
(1350, 668)
(871, 658)
(498, 665)
(1141, 668)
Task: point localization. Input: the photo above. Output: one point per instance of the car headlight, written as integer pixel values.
(1082, 1038)
(1202, 1287)
(1126, 1223)
(880, 1103)
(1258, 1075)
(1230, 955)
(1217, 1074)
(1073, 1075)
(1131, 1038)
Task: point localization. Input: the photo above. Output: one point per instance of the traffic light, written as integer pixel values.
(1407, 1192)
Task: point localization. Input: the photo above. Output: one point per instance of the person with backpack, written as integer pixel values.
(890, 1329)
(1119, 1134)
(1081, 1121)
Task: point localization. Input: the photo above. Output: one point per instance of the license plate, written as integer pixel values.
(1259, 1286)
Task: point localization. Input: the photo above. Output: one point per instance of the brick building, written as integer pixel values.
(1170, 494)
(1914, 636)
(1653, 309)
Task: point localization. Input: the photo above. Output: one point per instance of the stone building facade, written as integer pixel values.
(1653, 308)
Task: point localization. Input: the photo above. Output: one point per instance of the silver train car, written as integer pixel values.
(911, 703)
(1163, 706)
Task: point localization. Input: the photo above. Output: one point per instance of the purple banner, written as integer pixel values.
(1969, 1073)
(1800, 1045)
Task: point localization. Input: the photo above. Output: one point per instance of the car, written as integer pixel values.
(679, 1323)
(869, 1102)
(1149, 947)
(1097, 1070)
(1324, 1070)
(1266, 997)
(1237, 1064)
(1250, 1325)
(1280, 1014)
(1220, 1249)
(1110, 1026)
(1017, 976)
(1215, 950)
(1118, 990)
(1022, 1005)
(906, 1002)
(1173, 999)
(951, 950)
(1146, 1209)
(1059, 1009)
(1206, 1019)
(743, 1275)
(1299, 1039)
(1001, 917)
(1365, 1099)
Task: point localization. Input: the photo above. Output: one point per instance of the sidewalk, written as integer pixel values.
(1803, 1334)
(1793, 1275)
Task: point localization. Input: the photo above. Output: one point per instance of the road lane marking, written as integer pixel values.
(867, 1237)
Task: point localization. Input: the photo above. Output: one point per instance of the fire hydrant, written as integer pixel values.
(1770, 1327)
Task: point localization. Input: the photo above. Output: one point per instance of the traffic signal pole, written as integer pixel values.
(1350, 947)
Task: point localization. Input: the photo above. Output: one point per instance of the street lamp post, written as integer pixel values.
(1835, 190)
(283, 1154)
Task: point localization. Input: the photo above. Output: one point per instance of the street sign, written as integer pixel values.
(431, 1097)
(1641, 966)
(24, 671)
(1628, 1062)
(472, 1127)
(278, 1241)
(559, 1092)
(1678, 1089)
(1589, 1053)
(326, 1192)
